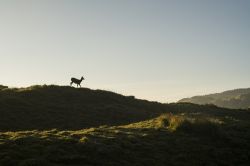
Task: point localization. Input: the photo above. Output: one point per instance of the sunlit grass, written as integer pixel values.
(170, 135)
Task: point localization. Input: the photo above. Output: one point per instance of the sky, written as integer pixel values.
(160, 50)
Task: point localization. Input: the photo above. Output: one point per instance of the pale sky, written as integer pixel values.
(153, 49)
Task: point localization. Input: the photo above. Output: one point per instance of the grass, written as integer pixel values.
(59, 126)
(166, 140)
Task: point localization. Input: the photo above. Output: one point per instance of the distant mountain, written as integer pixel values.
(236, 99)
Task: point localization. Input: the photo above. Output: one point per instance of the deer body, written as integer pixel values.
(76, 81)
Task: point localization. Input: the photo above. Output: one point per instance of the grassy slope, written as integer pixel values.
(239, 98)
(47, 107)
(148, 134)
(166, 140)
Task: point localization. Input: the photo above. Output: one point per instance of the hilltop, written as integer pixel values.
(235, 99)
(60, 125)
(63, 107)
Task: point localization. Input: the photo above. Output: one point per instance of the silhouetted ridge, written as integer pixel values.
(64, 107)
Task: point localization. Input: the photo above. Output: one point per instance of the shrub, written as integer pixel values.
(202, 127)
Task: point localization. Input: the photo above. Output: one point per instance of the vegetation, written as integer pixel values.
(47, 107)
(52, 125)
(235, 99)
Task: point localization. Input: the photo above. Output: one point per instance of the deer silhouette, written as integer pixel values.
(76, 81)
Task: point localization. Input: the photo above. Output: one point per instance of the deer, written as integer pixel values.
(76, 81)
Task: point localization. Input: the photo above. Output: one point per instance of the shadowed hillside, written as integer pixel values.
(60, 125)
(62, 107)
(48, 107)
(236, 99)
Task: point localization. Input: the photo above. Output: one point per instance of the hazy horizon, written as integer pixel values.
(155, 50)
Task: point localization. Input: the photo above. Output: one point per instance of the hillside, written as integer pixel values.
(62, 107)
(235, 99)
(60, 125)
